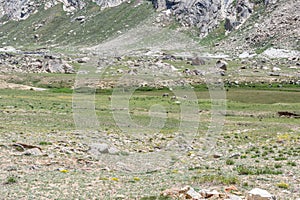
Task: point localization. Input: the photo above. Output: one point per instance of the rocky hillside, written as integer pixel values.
(206, 15)
(19, 10)
(248, 24)
(276, 25)
(203, 14)
(60, 23)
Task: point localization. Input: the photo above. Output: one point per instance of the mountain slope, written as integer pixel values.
(277, 25)
(226, 25)
(87, 26)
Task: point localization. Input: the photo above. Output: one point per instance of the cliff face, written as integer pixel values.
(16, 9)
(207, 14)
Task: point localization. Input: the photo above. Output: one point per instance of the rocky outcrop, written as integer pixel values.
(34, 64)
(108, 3)
(203, 14)
(68, 5)
(237, 13)
(188, 192)
(277, 27)
(16, 9)
(207, 14)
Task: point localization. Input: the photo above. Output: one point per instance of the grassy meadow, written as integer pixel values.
(264, 146)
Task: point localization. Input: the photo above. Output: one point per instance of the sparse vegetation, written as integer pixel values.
(251, 170)
(283, 185)
(45, 143)
(63, 29)
(216, 178)
(11, 180)
(47, 153)
(229, 162)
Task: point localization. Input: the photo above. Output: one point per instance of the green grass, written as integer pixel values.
(251, 170)
(11, 180)
(243, 106)
(46, 118)
(61, 90)
(229, 162)
(263, 47)
(99, 25)
(215, 36)
(291, 163)
(45, 143)
(43, 80)
(217, 179)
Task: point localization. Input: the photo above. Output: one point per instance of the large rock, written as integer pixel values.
(58, 66)
(259, 194)
(97, 149)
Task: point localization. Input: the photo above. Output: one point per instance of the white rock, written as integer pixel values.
(8, 49)
(276, 69)
(177, 102)
(83, 60)
(113, 150)
(246, 55)
(280, 53)
(294, 67)
(102, 148)
(265, 68)
(286, 191)
(193, 194)
(33, 152)
(99, 148)
(259, 194)
(234, 197)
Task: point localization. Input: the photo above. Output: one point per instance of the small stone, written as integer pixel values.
(221, 64)
(80, 18)
(95, 149)
(101, 148)
(34, 167)
(265, 68)
(113, 150)
(275, 69)
(11, 168)
(177, 102)
(217, 155)
(83, 60)
(235, 155)
(33, 152)
(286, 191)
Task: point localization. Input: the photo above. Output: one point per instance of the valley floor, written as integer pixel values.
(44, 156)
